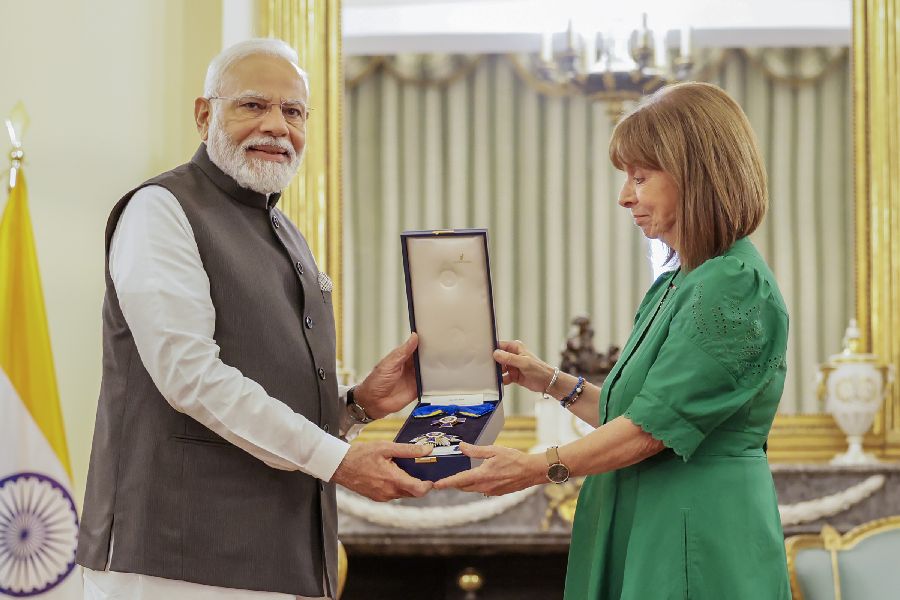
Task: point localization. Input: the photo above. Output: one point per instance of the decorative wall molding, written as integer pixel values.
(828, 506)
(428, 517)
(399, 516)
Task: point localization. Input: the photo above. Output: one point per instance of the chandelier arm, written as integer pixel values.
(547, 88)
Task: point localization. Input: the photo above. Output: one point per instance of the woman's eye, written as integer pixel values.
(639, 180)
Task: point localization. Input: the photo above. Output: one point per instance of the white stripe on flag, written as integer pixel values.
(38, 524)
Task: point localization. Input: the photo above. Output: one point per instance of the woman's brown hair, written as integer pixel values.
(699, 135)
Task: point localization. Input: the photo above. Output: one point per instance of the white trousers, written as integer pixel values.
(111, 585)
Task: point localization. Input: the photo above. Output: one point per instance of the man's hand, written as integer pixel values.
(392, 383)
(367, 469)
(504, 470)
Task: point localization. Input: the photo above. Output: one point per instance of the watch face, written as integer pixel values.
(358, 413)
(558, 473)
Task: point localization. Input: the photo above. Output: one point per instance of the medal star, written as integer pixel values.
(448, 421)
(436, 438)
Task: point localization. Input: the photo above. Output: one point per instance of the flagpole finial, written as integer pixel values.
(16, 124)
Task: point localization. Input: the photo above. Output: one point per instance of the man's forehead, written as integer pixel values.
(266, 76)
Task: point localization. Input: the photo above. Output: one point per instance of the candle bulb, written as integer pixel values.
(547, 47)
(685, 42)
(590, 51)
(661, 55)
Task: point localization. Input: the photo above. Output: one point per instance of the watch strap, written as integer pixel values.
(552, 455)
(357, 412)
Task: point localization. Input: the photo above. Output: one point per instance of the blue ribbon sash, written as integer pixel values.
(479, 410)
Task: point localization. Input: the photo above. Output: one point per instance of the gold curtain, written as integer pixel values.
(313, 200)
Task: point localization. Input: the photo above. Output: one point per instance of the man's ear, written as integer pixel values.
(202, 115)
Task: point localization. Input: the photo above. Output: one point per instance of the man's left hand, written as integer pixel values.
(392, 383)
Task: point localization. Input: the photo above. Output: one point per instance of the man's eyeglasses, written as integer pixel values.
(254, 107)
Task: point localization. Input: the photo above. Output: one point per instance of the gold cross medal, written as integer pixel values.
(448, 421)
(436, 438)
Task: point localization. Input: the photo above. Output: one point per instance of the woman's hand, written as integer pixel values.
(503, 471)
(522, 367)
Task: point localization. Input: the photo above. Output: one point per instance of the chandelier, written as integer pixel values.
(616, 66)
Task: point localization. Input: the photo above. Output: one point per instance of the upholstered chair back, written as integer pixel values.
(863, 564)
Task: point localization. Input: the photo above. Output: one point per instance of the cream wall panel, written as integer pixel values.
(109, 87)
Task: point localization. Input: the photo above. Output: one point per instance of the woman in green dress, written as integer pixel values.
(679, 500)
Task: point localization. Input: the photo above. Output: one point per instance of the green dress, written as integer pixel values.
(703, 372)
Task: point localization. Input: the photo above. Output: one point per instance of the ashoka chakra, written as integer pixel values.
(38, 534)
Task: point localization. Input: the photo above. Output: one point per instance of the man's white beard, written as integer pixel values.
(262, 176)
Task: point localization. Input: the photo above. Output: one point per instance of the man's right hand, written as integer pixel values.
(367, 469)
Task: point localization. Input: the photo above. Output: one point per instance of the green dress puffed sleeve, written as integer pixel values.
(721, 348)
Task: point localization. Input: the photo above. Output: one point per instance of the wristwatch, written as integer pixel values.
(357, 412)
(556, 471)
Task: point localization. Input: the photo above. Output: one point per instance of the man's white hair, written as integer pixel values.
(267, 46)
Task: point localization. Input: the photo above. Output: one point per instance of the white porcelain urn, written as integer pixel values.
(854, 384)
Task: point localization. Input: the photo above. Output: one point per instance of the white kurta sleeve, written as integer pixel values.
(163, 292)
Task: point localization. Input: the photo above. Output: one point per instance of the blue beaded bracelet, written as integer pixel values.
(572, 396)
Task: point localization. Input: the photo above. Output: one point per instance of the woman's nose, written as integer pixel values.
(626, 195)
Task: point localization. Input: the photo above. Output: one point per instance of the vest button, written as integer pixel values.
(321, 373)
(275, 221)
(309, 322)
(300, 267)
(325, 427)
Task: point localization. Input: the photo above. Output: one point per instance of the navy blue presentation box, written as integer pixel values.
(451, 308)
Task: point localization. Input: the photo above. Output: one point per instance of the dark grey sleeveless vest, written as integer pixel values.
(178, 500)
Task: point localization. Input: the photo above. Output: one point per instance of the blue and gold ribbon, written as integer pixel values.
(425, 411)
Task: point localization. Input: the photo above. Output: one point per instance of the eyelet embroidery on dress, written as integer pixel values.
(721, 326)
(697, 313)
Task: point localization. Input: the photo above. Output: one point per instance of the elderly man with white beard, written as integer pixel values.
(218, 439)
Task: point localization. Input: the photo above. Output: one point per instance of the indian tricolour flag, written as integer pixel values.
(38, 520)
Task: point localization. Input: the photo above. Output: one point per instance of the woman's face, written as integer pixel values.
(652, 198)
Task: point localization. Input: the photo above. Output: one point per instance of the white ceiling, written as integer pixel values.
(398, 26)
